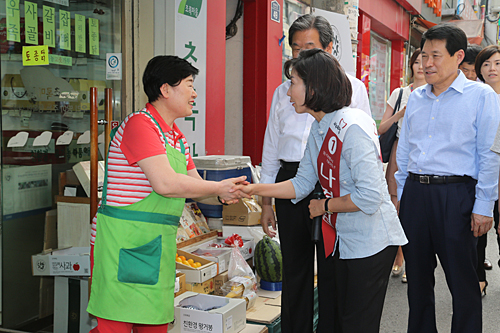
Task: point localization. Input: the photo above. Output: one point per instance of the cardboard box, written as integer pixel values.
(201, 274)
(180, 284)
(219, 255)
(70, 305)
(46, 303)
(245, 232)
(254, 328)
(245, 212)
(228, 317)
(73, 224)
(82, 171)
(264, 311)
(219, 281)
(206, 287)
(74, 261)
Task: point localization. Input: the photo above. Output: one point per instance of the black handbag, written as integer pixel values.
(387, 139)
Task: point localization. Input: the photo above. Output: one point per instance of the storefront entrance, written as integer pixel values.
(52, 52)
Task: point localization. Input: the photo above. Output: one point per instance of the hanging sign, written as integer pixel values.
(49, 26)
(35, 55)
(93, 36)
(13, 21)
(65, 29)
(80, 33)
(275, 11)
(31, 22)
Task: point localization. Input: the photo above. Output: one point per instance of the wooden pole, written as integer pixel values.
(108, 92)
(94, 152)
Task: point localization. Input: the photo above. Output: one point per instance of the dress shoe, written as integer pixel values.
(397, 270)
(487, 264)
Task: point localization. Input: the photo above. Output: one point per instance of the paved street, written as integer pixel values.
(395, 315)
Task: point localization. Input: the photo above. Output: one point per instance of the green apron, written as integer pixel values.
(134, 255)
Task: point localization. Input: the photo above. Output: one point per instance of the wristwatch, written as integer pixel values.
(326, 207)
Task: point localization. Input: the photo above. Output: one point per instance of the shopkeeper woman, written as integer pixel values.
(149, 172)
(360, 224)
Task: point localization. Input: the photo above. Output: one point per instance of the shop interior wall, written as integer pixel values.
(234, 85)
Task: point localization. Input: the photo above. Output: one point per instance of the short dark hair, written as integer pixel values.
(455, 38)
(471, 54)
(413, 58)
(165, 69)
(308, 22)
(328, 88)
(484, 55)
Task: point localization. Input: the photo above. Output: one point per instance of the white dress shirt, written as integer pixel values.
(287, 131)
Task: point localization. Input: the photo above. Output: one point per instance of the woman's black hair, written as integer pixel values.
(413, 58)
(484, 55)
(165, 69)
(327, 87)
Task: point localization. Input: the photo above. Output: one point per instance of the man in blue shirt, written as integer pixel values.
(447, 181)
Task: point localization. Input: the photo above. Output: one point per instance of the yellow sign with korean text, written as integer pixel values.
(49, 26)
(31, 22)
(35, 55)
(93, 36)
(80, 33)
(64, 29)
(13, 21)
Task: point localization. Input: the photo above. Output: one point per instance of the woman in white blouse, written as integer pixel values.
(417, 76)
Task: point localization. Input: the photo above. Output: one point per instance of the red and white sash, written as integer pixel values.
(329, 162)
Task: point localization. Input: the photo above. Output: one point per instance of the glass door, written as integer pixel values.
(52, 52)
(379, 78)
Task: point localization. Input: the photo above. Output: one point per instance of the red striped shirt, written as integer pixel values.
(137, 138)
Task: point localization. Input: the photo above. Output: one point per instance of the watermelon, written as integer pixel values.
(268, 260)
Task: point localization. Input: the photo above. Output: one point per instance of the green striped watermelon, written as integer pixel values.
(268, 260)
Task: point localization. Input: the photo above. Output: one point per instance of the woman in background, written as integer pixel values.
(488, 71)
(418, 79)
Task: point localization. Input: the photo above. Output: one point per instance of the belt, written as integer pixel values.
(289, 166)
(431, 179)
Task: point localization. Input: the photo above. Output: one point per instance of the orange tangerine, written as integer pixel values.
(185, 262)
(178, 259)
(182, 258)
(197, 264)
(176, 255)
(192, 264)
(190, 261)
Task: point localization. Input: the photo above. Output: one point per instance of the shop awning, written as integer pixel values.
(421, 25)
(473, 29)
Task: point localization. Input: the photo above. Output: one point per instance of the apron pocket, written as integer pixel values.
(140, 264)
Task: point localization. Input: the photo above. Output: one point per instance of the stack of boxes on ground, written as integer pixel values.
(203, 259)
(64, 262)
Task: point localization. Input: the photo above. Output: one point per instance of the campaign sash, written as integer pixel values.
(329, 163)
